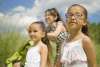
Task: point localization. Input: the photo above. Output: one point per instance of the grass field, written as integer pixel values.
(11, 41)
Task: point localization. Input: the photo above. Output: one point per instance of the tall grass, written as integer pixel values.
(11, 41)
(94, 31)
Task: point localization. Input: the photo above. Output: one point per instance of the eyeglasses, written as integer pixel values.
(69, 15)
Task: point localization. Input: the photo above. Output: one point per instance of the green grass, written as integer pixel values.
(11, 41)
(98, 54)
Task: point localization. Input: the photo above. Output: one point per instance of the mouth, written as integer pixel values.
(73, 22)
(32, 37)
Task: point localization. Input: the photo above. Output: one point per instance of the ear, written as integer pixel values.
(84, 23)
(55, 18)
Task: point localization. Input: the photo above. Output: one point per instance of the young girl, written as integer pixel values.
(37, 51)
(79, 50)
(37, 55)
(56, 32)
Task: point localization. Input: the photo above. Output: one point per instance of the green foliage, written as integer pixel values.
(11, 41)
(94, 30)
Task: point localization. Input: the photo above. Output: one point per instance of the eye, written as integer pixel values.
(71, 14)
(29, 31)
(68, 15)
(78, 14)
(34, 30)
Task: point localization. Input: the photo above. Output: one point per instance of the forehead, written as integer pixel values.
(35, 26)
(75, 9)
(48, 13)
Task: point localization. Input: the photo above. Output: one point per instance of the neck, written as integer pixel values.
(53, 23)
(75, 35)
(35, 43)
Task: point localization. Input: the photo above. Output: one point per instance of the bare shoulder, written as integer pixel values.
(44, 47)
(61, 25)
(87, 42)
(86, 39)
(89, 49)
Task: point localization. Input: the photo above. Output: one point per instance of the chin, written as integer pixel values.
(72, 26)
(49, 22)
(33, 39)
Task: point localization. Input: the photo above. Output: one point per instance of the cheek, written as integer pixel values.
(49, 20)
(52, 18)
(40, 35)
(81, 22)
(30, 34)
(68, 20)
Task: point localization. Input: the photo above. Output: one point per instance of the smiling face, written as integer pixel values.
(36, 32)
(75, 18)
(49, 17)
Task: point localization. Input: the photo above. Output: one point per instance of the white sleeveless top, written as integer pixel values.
(33, 57)
(73, 52)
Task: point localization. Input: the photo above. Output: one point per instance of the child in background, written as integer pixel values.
(56, 33)
(79, 50)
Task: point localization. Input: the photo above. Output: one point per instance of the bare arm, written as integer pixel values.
(44, 54)
(60, 28)
(89, 50)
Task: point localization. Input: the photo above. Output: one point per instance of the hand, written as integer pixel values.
(17, 64)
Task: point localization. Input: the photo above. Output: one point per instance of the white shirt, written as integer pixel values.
(73, 52)
(33, 57)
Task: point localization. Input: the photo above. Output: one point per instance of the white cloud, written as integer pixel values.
(41, 5)
(19, 9)
(21, 16)
(26, 21)
(93, 6)
(1, 14)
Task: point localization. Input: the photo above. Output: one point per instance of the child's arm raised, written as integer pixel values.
(89, 50)
(44, 54)
(60, 28)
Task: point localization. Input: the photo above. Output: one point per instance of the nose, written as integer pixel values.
(73, 17)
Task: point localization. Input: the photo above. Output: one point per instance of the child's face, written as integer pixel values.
(49, 18)
(75, 18)
(35, 32)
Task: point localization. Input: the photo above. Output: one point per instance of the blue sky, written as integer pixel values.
(7, 5)
(18, 14)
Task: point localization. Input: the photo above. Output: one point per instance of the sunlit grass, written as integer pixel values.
(11, 41)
